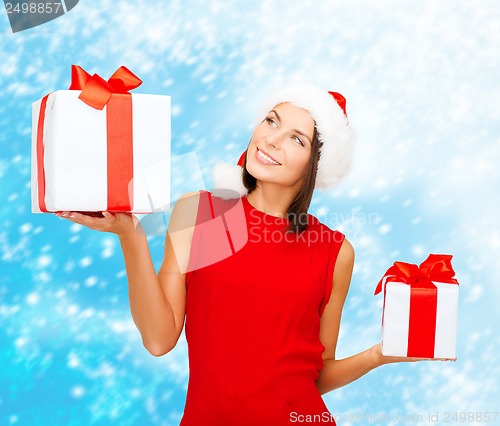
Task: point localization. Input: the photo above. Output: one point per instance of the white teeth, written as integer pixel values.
(267, 158)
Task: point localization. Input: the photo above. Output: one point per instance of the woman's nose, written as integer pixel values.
(275, 139)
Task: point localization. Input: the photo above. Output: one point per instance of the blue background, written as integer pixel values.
(421, 82)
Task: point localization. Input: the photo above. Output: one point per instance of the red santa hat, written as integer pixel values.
(328, 109)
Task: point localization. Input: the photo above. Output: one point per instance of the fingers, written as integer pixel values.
(118, 223)
(416, 359)
(86, 220)
(431, 359)
(65, 215)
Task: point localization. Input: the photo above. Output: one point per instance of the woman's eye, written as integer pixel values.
(299, 140)
(270, 121)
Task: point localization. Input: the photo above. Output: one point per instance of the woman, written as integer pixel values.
(262, 320)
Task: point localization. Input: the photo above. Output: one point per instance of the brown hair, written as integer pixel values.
(297, 211)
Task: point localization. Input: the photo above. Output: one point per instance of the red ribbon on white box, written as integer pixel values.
(423, 298)
(97, 93)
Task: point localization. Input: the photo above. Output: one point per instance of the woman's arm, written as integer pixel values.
(338, 373)
(150, 308)
(157, 302)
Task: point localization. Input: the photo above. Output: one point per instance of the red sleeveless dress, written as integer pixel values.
(254, 300)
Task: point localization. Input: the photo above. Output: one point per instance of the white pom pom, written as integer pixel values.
(227, 181)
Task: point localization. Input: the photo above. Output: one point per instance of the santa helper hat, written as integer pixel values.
(328, 109)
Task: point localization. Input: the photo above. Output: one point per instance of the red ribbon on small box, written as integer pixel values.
(423, 298)
(97, 92)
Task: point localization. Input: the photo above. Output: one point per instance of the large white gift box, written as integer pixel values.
(101, 148)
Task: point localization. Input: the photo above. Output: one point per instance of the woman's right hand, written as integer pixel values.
(121, 224)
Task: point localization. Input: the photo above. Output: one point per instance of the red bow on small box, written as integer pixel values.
(423, 298)
(437, 267)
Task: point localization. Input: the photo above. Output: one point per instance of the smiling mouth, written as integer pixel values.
(267, 158)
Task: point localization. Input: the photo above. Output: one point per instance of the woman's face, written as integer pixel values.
(285, 136)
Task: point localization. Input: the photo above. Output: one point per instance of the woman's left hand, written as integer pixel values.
(385, 359)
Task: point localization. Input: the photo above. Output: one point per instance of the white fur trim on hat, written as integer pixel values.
(228, 181)
(331, 123)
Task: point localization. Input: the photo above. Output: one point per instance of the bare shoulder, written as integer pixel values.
(188, 201)
(179, 234)
(345, 258)
(343, 270)
(184, 212)
(189, 195)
